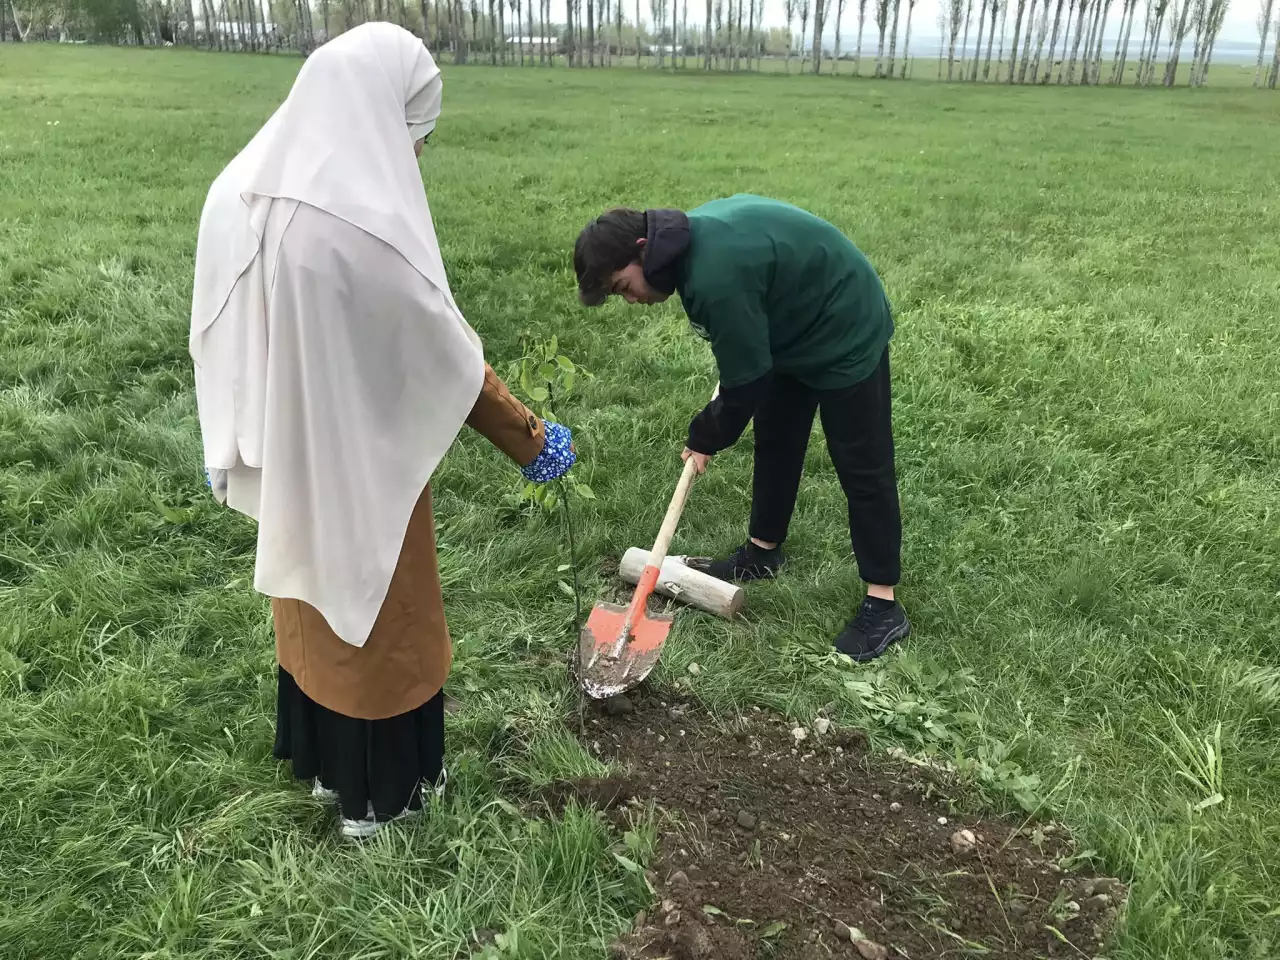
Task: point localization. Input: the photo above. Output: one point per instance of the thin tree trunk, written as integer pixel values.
(1053, 42)
(1004, 22)
(1097, 48)
(1275, 60)
(1075, 48)
(707, 39)
(1264, 27)
(906, 41)
(1175, 55)
(893, 38)
(637, 33)
(835, 63)
(964, 44)
(819, 11)
(1122, 41)
(1026, 42)
(977, 52)
(991, 38)
(1153, 54)
(684, 35)
(737, 54)
(862, 22)
(882, 21)
(1042, 33)
(1095, 29)
(1017, 35)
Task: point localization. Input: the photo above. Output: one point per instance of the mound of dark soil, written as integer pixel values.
(797, 845)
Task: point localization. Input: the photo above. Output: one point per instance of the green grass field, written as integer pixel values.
(1086, 410)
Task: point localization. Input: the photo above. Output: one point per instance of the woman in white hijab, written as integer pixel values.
(333, 370)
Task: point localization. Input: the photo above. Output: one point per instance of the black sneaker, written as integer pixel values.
(748, 562)
(879, 624)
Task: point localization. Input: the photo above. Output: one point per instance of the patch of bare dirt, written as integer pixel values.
(797, 846)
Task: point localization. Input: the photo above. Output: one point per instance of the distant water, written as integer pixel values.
(1225, 51)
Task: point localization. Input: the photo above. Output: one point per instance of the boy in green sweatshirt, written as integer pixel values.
(799, 324)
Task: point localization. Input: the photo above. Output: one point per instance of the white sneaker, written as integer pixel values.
(320, 792)
(370, 825)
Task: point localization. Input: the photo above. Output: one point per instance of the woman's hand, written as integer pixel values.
(557, 457)
(701, 460)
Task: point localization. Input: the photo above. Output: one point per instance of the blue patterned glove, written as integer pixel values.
(556, 457)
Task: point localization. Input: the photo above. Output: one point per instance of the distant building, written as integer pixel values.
(534, 43)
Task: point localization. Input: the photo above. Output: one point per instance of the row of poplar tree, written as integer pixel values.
(1052, 41)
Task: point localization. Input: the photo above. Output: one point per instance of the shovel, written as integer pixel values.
(620, 645)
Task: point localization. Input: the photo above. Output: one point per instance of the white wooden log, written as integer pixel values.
(685, 584)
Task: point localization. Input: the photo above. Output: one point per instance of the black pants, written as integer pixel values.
(857, 423)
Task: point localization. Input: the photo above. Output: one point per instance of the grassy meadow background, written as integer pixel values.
(1086, 366)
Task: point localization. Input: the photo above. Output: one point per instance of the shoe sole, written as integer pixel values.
(890, 638)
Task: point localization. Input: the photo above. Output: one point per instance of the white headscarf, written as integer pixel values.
(333, 368)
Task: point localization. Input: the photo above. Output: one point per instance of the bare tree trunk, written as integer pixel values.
(977, 51)
(1275, 61)
(1053, 42)
(906, 42)
(835, 63)
(737, 50)
(1094, 41)
(991, 38)
(1017, 31)
(893, 38)
(882, 21)
(1075, 47)
(1097, 50)
(1264, 26)
(1153, 54)
(1004, 21)
(1122, 42)
(862, 22)
(964, 44)
(819, 12)
(1042, 33)
(684, 36)
(1179, 34)
(804, 29)
(637, 33)
(1217, 12)
(954, 12)
(1026, 42)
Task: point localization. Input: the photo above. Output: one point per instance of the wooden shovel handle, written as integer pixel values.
(675, 508)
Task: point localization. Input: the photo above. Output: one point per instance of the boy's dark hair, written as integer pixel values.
(606, 245)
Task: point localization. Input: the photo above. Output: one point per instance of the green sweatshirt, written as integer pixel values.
(773, 287)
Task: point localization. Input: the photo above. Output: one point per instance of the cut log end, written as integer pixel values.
(689, 586)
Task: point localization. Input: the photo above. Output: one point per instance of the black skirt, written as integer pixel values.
(383, 764)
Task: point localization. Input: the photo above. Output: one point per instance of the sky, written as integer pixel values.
(1240, 24)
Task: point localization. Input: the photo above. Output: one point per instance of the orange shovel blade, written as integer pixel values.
(613, 661)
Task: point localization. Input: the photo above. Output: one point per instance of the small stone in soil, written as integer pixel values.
(678, 879)
(1099, 901)
(846, 932)
(963, 843)
(942, 821)
(822, 725)
(746, 820)
(895, 807)
(870, 950)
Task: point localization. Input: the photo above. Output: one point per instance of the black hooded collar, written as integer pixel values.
(667, 241)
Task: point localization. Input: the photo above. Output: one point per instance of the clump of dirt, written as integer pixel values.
(603, 792)
(793, 844)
